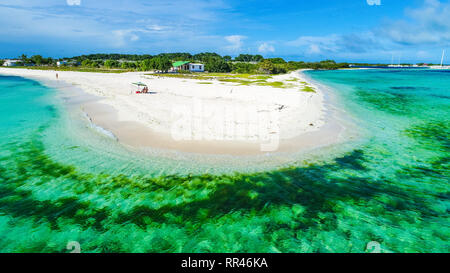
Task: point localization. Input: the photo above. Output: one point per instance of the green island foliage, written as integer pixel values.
(240, 79)
(241, 68)
(159, 63)
(73, 68)
(214, 63)
(308, 88)
(249, 58)
(217, 65)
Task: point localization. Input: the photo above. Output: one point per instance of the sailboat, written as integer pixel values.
(392, 65)
(442, 66)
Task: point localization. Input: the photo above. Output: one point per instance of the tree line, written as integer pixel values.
(35, 60)
(244, 63)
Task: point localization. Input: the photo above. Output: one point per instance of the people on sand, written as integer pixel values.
(143, 91)
(56, 75)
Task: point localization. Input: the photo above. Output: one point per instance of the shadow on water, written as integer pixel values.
(391, 102)
(315, 188)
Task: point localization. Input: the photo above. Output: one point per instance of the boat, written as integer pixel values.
(392, 65)
(442, 66)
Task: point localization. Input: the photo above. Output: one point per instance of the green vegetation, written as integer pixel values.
(195, 76)
(263, 77)
(214, 63)
(212, 76)
(239, 75)
(308, 88)
(267, 66)
(159, 63)
(129, 65)
(36, 60)
(73, 68)
(274, 84)
(112, 64)
(39, 60)
(249, 58)
(244, 68)
(276, 60)
(241, 79)
(217, 65)
(92, 64)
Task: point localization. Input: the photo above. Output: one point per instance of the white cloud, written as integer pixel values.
(195, 27)
(428, 24)
(314, 49)
(266, 48)
(157, 27)
(374, 2)
(118, 24)
(123, 37)
(73, 2)
(236, 42)
(425, 26)
(134, 37)
(317, 44)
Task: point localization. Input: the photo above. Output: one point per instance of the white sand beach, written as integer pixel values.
(205, 116)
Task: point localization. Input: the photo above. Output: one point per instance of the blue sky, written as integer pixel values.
(344, 30)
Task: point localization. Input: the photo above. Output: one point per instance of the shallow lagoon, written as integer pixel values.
(60, 184)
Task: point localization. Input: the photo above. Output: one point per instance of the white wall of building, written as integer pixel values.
(197, 67)
(11, 63)
(61, 63)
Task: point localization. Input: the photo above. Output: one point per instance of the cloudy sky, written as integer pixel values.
(344, 30)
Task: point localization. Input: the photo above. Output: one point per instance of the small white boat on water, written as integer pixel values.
(442, 66)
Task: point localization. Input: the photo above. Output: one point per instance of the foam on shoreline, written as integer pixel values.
(100, 129)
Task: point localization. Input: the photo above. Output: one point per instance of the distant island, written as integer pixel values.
(213, 62)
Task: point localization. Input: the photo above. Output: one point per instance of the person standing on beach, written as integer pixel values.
(56, 75)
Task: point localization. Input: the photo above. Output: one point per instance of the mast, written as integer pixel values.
(442, 59)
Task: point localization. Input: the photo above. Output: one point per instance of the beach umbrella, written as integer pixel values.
(139, 85)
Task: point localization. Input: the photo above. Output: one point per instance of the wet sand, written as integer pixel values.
(138, 135)
(328, 128)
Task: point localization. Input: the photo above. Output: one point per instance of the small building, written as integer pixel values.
(61, 63)
(187, 66)
(12, 63)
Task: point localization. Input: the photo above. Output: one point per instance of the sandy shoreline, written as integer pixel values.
(186, 115)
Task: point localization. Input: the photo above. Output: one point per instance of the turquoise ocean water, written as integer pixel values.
(61, 181)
